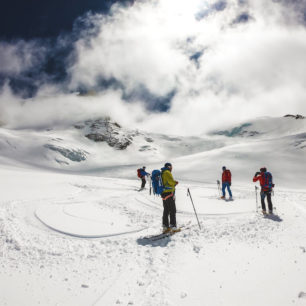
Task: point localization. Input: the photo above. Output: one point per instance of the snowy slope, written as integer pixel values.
(237, 258)
(277, 143)
(72, 219)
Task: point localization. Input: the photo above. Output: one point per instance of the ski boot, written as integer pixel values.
(174, 229)
(166, 229)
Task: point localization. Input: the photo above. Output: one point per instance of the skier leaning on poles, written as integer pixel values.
(266, 183)
(168, 197)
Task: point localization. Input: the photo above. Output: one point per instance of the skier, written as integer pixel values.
(142, 175)
(168, 196)
(226, 182)
(266, 183)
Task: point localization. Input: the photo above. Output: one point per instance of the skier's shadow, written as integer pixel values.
(275, 218)
(157, 243)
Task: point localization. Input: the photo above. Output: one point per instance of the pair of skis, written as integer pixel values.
(163, 235)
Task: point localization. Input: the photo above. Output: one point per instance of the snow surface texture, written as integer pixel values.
(76, 238)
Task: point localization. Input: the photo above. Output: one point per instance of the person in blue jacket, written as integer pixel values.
(143, 175)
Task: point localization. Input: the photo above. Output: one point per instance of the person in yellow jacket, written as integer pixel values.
(168, 196)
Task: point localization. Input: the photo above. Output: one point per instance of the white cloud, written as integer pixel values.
(246, 69)
(17, 57)
(52, 109)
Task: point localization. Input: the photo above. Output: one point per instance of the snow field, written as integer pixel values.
(237, 258)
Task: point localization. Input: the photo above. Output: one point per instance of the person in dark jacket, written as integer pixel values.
(143, 175)
(226, 182)
(266, 183)
(168, 197)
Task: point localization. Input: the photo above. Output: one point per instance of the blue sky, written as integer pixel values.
(44, 19)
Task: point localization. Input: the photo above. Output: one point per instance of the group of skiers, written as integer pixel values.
(168, 191)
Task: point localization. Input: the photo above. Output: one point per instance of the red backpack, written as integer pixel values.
(267, 181)
(227, 176)
(139, 173)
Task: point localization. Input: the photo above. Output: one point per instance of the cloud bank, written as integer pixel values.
(175, 67)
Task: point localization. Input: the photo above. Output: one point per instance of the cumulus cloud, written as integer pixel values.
(209, 63)
(53, 109)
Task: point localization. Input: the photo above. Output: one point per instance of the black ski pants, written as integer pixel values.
(263, 195)
(169, 210)
(143, 182)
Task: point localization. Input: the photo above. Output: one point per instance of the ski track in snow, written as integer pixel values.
(120, 270)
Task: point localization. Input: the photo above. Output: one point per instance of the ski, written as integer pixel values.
(163, 235)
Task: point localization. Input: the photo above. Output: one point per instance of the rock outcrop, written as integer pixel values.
(104, 130)
(73, 155)
(294, 116)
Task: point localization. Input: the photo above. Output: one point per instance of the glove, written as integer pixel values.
(257, 173)
(230, 184)
(273, 185)
(176, 182)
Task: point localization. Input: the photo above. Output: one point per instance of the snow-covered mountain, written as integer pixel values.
(103, 147)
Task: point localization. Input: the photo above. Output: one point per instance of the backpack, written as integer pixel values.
(139, 173)
(267, 180)
(227, 175)
(157, 183)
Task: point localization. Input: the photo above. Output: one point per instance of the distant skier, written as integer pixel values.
(168, 196)
(141, 173)
(266, 182)
(226, 182)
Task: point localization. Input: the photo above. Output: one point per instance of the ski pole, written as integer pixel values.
(219, 189)
(256, 198)
(188, 193)
(150, 185)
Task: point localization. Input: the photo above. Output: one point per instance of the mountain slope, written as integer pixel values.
(102, 147)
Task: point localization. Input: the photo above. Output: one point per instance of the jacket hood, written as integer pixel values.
(164, 169)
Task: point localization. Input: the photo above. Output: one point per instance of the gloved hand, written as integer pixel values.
(257, 173)
(230, 184)
(176, 182)
(273, 185)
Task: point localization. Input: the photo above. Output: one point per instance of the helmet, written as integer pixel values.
(167, 165)
(263, 169)
(223, 168)
(144, 167)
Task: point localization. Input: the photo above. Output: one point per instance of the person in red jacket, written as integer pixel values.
(266, 183)
(226, 182)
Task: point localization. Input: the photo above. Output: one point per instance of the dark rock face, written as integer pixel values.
(96, 137)
(73, 155)
(104, 130)
(149, 139)
(294, 116)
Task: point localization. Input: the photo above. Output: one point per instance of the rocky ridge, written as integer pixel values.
(104, 130)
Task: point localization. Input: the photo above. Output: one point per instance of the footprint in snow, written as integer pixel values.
(183, 295)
